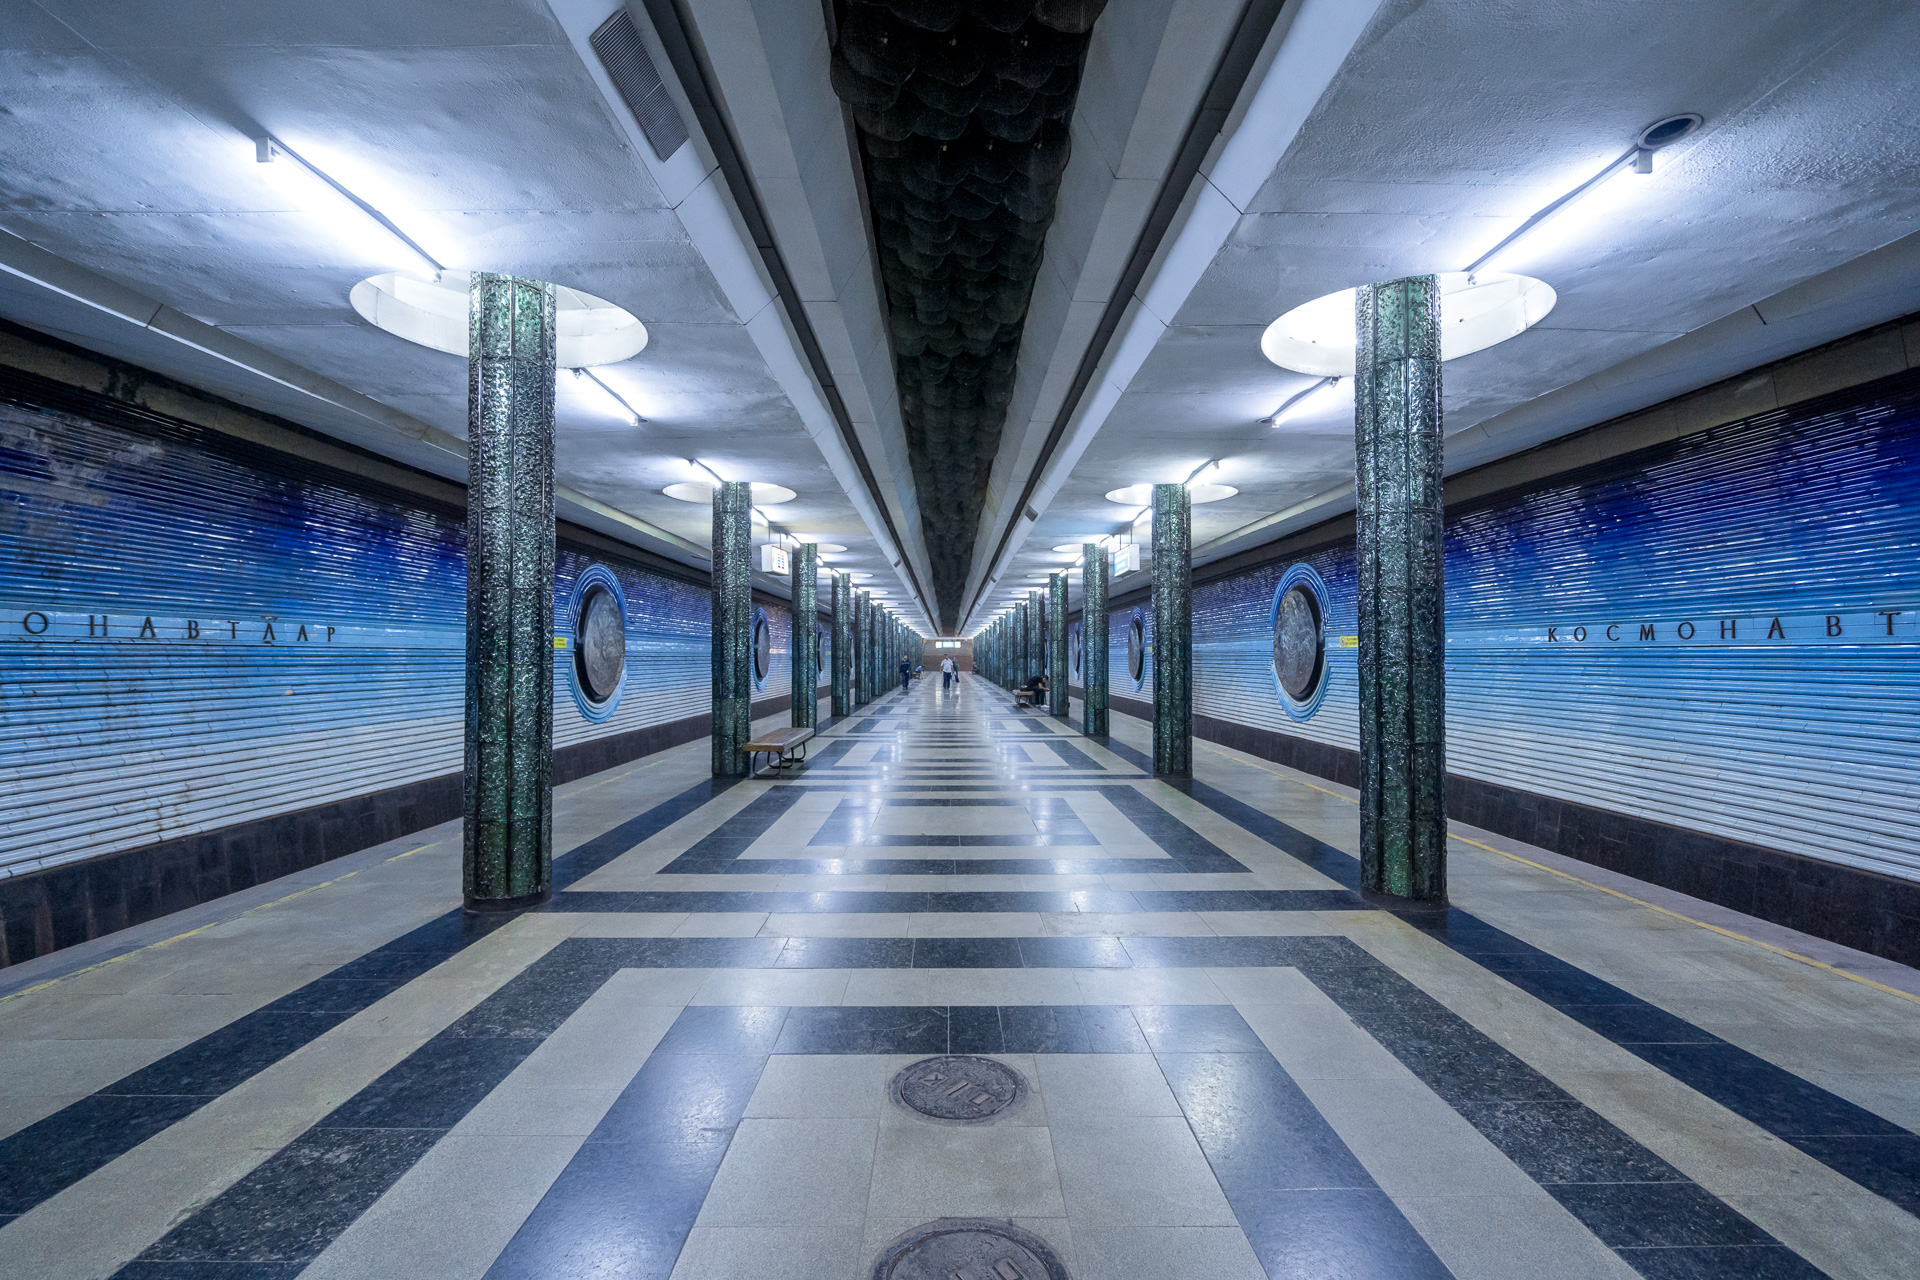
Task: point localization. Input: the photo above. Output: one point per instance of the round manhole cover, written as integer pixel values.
(960, 1089)
(968, 1249)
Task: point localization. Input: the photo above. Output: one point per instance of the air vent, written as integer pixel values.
(625, 57)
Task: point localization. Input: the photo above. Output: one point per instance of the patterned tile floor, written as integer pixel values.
(1236, 1066)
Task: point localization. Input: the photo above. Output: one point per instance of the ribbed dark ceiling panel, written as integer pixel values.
(962, 112)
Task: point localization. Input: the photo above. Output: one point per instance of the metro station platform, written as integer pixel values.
(1181, 1043)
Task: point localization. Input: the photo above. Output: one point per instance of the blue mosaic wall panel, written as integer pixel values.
(1722, 633)
(192, 638)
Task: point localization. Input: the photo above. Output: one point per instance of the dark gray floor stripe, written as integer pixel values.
(1866, 1148)
(706, 901)
(57, 1151)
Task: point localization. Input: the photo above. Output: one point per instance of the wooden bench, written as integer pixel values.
(1026, 698)
(781, 744)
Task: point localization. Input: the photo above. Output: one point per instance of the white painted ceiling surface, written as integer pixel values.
(1379, 138)
(480, 130)
(1445, 127)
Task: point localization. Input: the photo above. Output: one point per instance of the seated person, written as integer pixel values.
(1035, 688)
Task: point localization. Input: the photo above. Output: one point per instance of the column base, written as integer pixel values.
(1402, 906)
(495, 906)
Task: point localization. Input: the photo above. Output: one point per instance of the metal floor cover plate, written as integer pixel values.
(969, 1249)
(959, 1089)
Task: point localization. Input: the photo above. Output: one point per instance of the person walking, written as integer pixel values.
(906, 675)
(946, 673)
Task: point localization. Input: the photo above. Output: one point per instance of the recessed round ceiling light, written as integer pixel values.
(826, 548)
(1476, 312)
(694, 491)
(1075, 548)
(859, 577)
(1670, 130)
(1140, 495)
(877, 591)
(588, 331)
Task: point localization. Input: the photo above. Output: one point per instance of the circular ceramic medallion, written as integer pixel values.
(602, 652)
(1299, 649)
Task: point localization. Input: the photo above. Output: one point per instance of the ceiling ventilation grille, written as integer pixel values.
(631, 70)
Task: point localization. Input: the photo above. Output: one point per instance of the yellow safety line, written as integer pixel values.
(621, 776)
(167, 942)
(1642, 902)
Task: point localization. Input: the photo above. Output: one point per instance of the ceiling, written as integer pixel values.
(1368, 139)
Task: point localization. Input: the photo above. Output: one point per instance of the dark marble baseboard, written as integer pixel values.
(1860, 909)
(44, 911)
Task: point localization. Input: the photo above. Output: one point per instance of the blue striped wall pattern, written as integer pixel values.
(1721, 633)
(141, 695)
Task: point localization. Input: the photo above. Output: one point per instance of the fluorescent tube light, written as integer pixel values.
(285, 162)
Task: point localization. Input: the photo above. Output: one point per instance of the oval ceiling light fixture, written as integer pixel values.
(858, 576)
(824, 541)
(695, 491)
(588, 331)
(1476, 312)
(1075, 548)
(1141, 495)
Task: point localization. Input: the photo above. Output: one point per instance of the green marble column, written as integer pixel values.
(1172, 632)
(862, 659)
(842, 656)
(732, 626)
(806, 636)
(1017, 647)
(507, 836)
(889, 667)
(1095, 575)
(1036, 632)
(1057, 702)
(1399, 540)
(870, 648)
